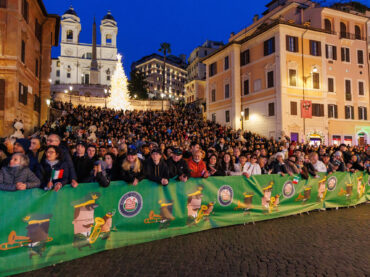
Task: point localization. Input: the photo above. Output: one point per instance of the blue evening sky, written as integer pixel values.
(144, 24)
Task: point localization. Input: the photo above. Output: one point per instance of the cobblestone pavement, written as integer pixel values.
(331, 243)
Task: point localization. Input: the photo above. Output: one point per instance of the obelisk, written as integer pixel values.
(94, 70)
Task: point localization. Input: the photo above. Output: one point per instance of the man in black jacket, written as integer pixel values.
(82, 164)
(177, 166)
(156, 169)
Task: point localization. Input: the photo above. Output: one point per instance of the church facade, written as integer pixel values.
(82, 68)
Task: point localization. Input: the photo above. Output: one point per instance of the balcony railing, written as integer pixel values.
(350, 36)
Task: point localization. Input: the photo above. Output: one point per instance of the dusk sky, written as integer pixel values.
(144, 24)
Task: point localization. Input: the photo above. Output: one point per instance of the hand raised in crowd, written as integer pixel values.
(21, 186)
(135, 182)
(183, 178)
(58, 186)
(74, 184)
(246, 174)
(50, 185)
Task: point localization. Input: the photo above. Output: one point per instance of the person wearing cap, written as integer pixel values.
(155, 168)
(338, 159)
(197, 166)
(17, 175)
(177, 166)
(132, 168)
(82, 164)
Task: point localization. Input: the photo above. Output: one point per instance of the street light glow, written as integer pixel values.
(70, 88)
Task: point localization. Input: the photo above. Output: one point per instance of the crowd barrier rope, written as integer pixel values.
(43, 228)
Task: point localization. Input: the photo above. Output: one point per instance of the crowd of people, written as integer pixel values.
(88, 144)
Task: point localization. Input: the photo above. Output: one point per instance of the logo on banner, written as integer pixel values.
(130, 204)
(288, 189)
(332, 183)
(225, 195)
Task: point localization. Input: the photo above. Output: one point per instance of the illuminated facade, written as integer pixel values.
(297, 53)
(27, 34)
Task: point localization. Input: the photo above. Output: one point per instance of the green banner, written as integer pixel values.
(43, 228)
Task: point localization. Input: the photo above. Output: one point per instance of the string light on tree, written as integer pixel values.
(119, 97)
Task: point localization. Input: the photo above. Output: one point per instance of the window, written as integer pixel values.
(292, 77)
(38, 30)
(226, 63)
(292, 44)
(108, 77)
(57, 82)
(343, 30)
(69, 35)
(345, 54)
(362, 113)
(58, 73)
(293, 108)
(361, 90)
(36, 103)
(25, 10)
(317, 110)
(357, 32)
(327, 24)
(269, 46)
(348, 90)
(246, 114)
(332, 111)
(2, 3)
(330, 84)
(349, 112)
(68, 75)
(22, 95)
(23, 52)
(257, 85)
(212, 69)
(316, 80)
(271, 109)
(227, 116)
(331, 52)
(227, 91)
(213, 95)
(315, 48)
(244, 58)
(270, 79)
(246, 87)
(360, 57)
(58, 63)
(2, 94)
(108, 39)
(37, 68)
(213, 117)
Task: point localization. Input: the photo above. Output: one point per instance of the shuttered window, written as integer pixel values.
(315, 48)
(293, 108)
(292, 44)
(330, 85)
(244, 58)
(316, 80)
(269, 46)
(2, 94)
(332, 111)
(348, 90)
(317, 110)
(271, 109)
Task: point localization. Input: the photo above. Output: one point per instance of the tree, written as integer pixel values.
(138, 85)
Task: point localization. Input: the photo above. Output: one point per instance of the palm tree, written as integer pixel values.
(165, 49)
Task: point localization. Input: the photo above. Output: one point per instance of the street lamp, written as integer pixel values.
(48, 104)
(70, 94)
(242, 119)
(135, 96)
(50, 81)
(105, 97)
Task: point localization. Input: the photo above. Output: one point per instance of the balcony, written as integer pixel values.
(351, 36)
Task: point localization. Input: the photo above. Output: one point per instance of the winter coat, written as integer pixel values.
(47, 171)
(278, 167)
(83, 166)
(129, 175)
(178, 168)
(155, 172)
(10, 176)
(217, 173)
(197, 170)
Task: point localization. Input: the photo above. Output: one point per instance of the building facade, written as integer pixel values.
(152, 68)
(27, 34)
(76, 66)
(195, 86)
(302, 70)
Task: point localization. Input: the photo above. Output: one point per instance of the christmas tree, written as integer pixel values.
(119, 97)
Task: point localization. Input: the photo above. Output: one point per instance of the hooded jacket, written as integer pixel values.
(155, 172)
(178, 168)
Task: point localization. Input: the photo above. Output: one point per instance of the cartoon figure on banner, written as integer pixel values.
(37, 235)
(246, 205)
(322, 190)
(197, 211)
(270, 203)
(347, 192)
(164, 218)
(360, 186)
(306, 195)
(332, 183)
(87, 228)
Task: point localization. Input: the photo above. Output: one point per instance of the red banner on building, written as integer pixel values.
(306, 108)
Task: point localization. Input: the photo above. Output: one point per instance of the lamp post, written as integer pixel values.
(70, 94)
(105, 97)
(242, 119)
(162, 95)
(48, 104)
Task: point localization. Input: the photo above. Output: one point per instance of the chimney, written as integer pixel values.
(255, 18)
